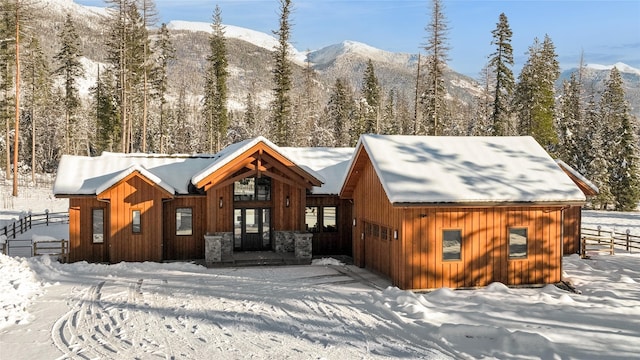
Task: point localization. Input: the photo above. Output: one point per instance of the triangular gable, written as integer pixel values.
(587, 187)
(135, 170)
(254, 157)
(427, 170)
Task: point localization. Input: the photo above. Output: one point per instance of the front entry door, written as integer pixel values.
(252, 229)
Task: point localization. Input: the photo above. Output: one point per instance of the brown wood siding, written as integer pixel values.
(135, 193)
(81, 246)
(287, 218)
(415, 260)
(372, 206)
(333, 243)
(185, 247)
(572, 225)
(219, 219)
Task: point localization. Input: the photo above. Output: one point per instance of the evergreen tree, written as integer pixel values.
(215, 97)
(70, 69)
(7, 65)
(500, 63)
(38, 90)
(149, 16)
(107, 116)
(370, 102)
(282, 73)
(165, 55)
(339, 112)
(434, 97)
(570, 125)
(535, 94)
(623, 141)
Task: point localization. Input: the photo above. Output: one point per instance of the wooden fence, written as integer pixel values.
(13, 246)
(601, 240)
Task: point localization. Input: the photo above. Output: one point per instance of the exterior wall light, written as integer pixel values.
(220, 203)
(287, 202)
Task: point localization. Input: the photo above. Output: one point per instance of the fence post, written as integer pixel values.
(46, 212)
(599, 227)
(14, 229)
(628, 238)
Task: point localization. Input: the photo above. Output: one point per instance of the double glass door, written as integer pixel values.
(252, 229)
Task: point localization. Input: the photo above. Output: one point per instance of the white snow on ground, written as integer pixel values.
(328, 310)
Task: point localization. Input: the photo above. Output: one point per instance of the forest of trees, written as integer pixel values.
(133, 106)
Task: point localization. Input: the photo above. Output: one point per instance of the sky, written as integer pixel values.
(605, 31)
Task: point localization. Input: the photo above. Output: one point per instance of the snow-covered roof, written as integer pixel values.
(233, 151)
(590, 187)
(444, 169)
(330, 163)
(83, 175)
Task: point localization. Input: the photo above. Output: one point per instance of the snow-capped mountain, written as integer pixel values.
(594, 76)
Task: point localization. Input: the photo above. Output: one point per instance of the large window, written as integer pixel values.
(97, 220)
(136, 224)
(184, 222)
(321, 219)
(252, 189)
(451, 244)
(517, 243)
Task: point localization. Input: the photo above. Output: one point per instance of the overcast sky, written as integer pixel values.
(607, 31)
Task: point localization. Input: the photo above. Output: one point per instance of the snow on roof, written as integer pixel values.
(330, 163)
(233, 151)
(577, 175)
(131, 169)
(439, 169)
(83, 175)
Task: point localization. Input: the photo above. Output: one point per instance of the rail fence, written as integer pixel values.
(601, 240)
(12, 246)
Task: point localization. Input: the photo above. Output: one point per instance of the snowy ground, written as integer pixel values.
(325, 311)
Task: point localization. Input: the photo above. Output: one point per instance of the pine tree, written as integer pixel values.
(434, 97)
(38, 88)
(7, 65)
(370, 102)
(570, 124)
(70, 69)
(500, 63)
(535, 94)
(215, 97)
(339, 112)
(622, 133)
(107, 116)
(165, 51)
(282, 73)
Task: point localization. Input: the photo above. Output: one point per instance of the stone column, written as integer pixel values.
(303, 246)
(212, 249)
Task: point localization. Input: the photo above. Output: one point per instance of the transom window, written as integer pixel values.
(252, 189)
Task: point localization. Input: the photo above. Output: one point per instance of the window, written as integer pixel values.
(184, 224)
(517, 243)
(135, 222)
(329, 223)
(384, 233)
(311, 219)
(321, 219)
(97, 219)
(451, 244)
(252, 189)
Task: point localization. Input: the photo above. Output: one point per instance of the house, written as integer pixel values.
(456, 212)
(426, 212)
(253, 195)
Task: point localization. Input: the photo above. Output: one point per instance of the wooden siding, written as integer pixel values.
(415, 261)
(219, 219)
(185, 247)
(339, 242)
(135, 193)
(81, 245)
(572, 225)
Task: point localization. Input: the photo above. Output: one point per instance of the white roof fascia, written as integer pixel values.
(133, 168)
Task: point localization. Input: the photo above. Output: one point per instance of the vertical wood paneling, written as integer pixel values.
(81, 246)
(185, 247)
